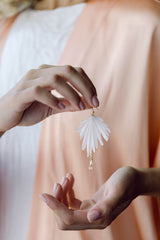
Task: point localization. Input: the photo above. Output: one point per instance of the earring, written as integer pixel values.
(91, 130)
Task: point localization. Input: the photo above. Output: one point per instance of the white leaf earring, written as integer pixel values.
(91, 130)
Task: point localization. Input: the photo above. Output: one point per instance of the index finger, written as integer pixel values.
(81, 82)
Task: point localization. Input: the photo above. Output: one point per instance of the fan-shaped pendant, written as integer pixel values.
(91, 130)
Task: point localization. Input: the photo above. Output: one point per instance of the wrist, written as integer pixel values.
(149, 181)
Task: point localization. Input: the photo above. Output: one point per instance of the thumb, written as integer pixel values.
(99, 211)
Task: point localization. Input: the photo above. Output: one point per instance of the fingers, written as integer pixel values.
(107, 210)
(58, 191)
(87, 204)
(64, 192)
(73, 202)
(45, 66)
(102, 213)
(68, 219)
(68, 92)
(72, 83)
(59, 209)
(70, 178)
(82, 83)
(96, 213)
(41, 95)
(118, 192)
(65, 186)
(85, 76)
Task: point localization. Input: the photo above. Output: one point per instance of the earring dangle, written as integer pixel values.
(91, 131)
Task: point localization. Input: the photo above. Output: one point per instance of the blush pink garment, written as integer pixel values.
(118, 45)
(5, 26)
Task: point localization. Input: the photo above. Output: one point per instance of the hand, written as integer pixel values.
(31, 100)
(98, 212)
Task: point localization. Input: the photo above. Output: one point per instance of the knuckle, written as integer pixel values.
(21, 85)
(69, 68)
(29, 74)
(42, 66)
(91, 90)
(55, 79)
(75, 98)
(37, 90)
(80, 70)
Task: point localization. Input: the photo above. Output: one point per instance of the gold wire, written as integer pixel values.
(91, 162)
(91, 159)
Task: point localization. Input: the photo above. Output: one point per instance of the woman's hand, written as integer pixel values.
(98, 212)
(31, 100)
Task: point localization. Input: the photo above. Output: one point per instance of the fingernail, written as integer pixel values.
(63, 180)
(68, 175)
(55, 187)
(94, 215)
(95, 101)
(81, 105)
(61, 105)
(43, 198)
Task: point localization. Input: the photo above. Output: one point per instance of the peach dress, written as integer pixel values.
(5, 26)
(118, 45)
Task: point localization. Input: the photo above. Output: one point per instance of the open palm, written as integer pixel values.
(98, 212)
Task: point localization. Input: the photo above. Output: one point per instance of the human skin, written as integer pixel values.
(31, 100)
(112, 198)
(1, 133)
